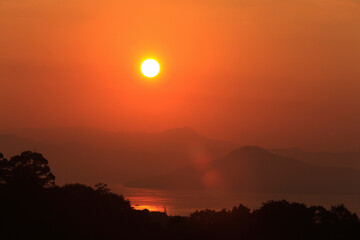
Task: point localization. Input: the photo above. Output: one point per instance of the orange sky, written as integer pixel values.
(278, 73)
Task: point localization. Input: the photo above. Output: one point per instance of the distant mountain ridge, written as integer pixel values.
(346, 160)
(253, 169)
(90, 155)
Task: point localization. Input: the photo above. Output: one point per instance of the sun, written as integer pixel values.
(150, 68)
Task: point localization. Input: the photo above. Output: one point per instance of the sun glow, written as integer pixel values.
(150, 68)
(149, 207)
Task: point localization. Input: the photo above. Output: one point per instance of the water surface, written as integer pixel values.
(185, 202)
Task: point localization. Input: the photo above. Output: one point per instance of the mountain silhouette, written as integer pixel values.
(11, 144)
(253, 169)
(346, 159)
(91, 155)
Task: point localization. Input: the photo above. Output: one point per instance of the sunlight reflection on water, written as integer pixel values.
(185, 202)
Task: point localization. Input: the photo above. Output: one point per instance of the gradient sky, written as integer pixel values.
(278, 73)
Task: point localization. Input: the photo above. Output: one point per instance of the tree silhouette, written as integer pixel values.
(78, 211)
(3, 168)
(27, 170)
(343, 215)
(102, 188)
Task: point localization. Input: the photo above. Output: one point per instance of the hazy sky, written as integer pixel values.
(277, 73)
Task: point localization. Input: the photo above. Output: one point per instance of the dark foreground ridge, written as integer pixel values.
(33, 207)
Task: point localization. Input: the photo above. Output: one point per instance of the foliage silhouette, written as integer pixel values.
(3, 168)
(42, 210)
(28, 170)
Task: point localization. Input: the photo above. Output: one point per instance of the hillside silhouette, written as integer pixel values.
(39, 209)
(253, 169)
(346, 159)
(90, 155)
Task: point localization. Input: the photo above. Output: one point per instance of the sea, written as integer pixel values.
(185, 202)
